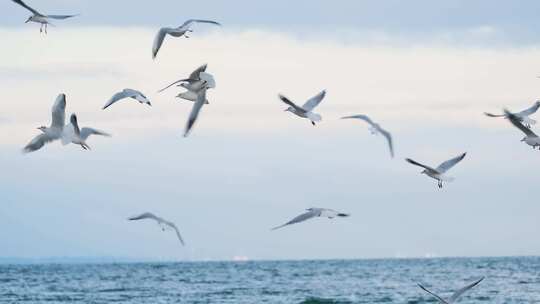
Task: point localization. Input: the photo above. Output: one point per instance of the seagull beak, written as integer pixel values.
(149, 104)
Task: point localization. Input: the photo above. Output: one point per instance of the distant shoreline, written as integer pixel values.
(123, 260)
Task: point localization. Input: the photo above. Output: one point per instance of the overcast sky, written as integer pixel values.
(425, 70)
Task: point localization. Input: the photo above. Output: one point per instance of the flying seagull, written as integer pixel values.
(40, 18)
(176, 32)
(194, 83)
(312, 213)
(53, 132)
(127, 93)
(523, 116)
(305, 111)
(375, 129)
(439, 172)
(72, 133)
(161, 222)
(454, 296)
(197, 106)
(531, 138)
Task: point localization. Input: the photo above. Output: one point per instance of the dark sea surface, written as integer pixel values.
(508, 280)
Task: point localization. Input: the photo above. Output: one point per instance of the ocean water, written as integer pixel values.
(508, 280)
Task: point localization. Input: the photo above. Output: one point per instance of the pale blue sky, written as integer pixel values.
(424, 69)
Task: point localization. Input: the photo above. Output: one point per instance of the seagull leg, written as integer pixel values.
(41, 27)
(45, 28)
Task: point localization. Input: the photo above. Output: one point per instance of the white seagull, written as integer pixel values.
(161, 222)
(375, 129)
(175, 32)
(72, 133)
(197, 106)
(305, 111)
(454, 296)
(127, 93)
(312, 213)
(194, 83)
(40, 18)
(439, 172)
(531, 138)
(53, 132)
(523, 116)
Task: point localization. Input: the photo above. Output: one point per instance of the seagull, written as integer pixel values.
(439, 172)
(531, 138)
(197, 106)
(176, 32)
(127, 93)
(53, 132)
(454, 296)
(194, 77)
(311, 213)
(72, 133)
(306, 110)
(375, 129)
(161, 222)
(38, 17)
(523, 116)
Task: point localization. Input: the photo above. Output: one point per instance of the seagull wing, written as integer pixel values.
(441, 300)
(86, 132)
(461, 291)
(361, 117)
(197, 106)
(530, 110)
(158, 40)
(314, 101)
(116, 97)
(195, 74)
(516, 121)
(73, 120)
(388, 137)
(445, 166)
(38, 142)
(136, 95)
(493, 115)
(421, 165)
(60, 16)
(292, 104)
(21, 3)
(59, 112)
(302, 217)
(191, 21)
(170, 85)
(144, 216)
(173, 226)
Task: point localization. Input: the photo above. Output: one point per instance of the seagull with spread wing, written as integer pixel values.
(454, 296)
(164, 224)
(197, 106)
(194, 83)
(40, 18)
(53, 132)
(375, 129)
(176, 32)
(305, 111)
(439, 173)
(522, 116)
(530, 138)
(313, 213)
(127, 93)
(72, 133)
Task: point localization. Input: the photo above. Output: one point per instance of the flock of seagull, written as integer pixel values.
(196, 86)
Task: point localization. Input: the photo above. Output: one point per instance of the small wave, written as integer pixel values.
(323, 301)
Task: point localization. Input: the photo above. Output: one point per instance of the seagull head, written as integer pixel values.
(42, 128)
(289, 109)
(524, 138)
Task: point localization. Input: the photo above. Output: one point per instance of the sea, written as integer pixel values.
(507, 280)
